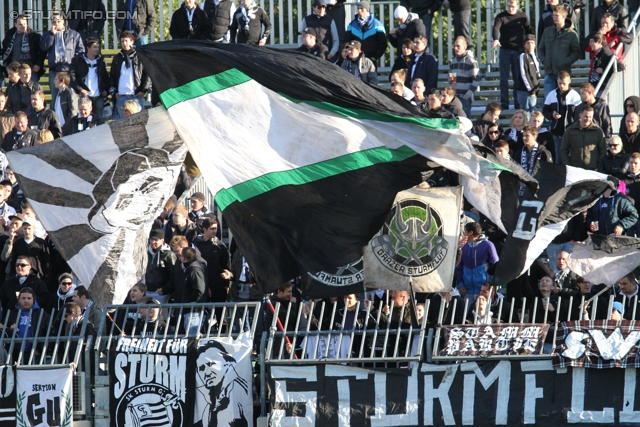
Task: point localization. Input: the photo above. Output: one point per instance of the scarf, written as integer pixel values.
(59, 48)
(353, 67)
(248, 13)
(362, 21)
(24, 48)
(528, 158)
(404, 26)
(128, 56)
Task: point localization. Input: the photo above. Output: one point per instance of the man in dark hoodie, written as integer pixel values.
(160, 266)
(601, 114)
(215, 253)
(631, 104)
(43, 118)
(612, 214)
(613, 7)
(195, 288)
(190, 22)
(451, 102)
(630, 136)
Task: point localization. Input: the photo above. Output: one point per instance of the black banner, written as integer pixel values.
(473, 393)
(150, 382)
(348, 279)
(492, 340)
(7, 396)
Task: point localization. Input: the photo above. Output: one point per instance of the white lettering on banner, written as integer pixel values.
(628, 415)
(169, 371)
(577, 414)
(502, 373)
(441, 392)
(344, 392)
(520, 232)
(615, 347)
(531, 392)
(410, 418)
(282, 395)
(6, 386)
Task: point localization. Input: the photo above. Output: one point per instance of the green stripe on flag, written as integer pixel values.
(306, 174)
(234, 77)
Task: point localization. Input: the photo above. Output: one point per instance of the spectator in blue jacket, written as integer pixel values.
(368, 31)
(62, 44)
(477, 256)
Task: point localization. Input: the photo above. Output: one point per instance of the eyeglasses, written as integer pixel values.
(613, 145)
(22, 265)
(493, 132)
(71, 283)
(322, 6)
(630, 106)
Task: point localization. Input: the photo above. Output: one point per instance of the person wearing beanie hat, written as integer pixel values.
(159, 274)
(63, 295)
(199, 209)
(311, 43)
(327, 32)
(617, 311)
(366, 29)
(528, 82)
(410, 26)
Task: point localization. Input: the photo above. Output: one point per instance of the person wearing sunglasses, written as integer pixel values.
(631, 104)
(64, 294)
(616, 162)
(24, 278)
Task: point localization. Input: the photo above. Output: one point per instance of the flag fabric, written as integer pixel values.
(344, 280)
(304, 159)
(605, 259)
(564, 192)
(98, 192)
(44, 396)
(417, 243)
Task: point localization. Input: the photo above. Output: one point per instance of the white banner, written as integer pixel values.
(44, 397)
(224, 386)
(418, 240)
(600, 266)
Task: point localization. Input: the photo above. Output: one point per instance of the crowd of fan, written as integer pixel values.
(187, 261)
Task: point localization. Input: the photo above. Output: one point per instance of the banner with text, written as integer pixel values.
(417, 242)
(480, 394)
(492, 340)
(7, 396)
(149, 382)
(224, 382)
(44, 397)
(597, 344)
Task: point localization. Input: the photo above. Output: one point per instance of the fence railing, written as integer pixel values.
(286, 17)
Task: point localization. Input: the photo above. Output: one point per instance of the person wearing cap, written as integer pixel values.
(423, 65)
(409, 27)
(160, 264)
(617, 311)
(199, 209)
(527, 82)
(152, 322)
(325, 26)
(311, 45)
(190, 22)
(247, 24)
(36, 249)
(368, 31)
(359, 65)
(216, 256)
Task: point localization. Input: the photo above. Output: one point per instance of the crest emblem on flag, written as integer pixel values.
(142, 408)
(412, 236)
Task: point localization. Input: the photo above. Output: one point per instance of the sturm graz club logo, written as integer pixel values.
(412, 241)
(147, 405)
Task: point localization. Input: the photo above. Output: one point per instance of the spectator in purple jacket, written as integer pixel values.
(478, 255)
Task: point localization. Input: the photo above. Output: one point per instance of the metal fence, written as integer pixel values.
(286, 17)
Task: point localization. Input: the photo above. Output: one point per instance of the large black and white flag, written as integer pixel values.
(224, 382)
(98, 192)
(151, 382)
(44, 397)
(564, 192)
(605, 259)
(7, 396)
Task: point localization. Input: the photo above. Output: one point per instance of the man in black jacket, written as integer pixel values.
(89, 76)
(22, 45)
(20, 136)
(159, 266)
(616, 161)
(220, 13)
(410, 27)
(87, 17)
(527, 82)
(20, 93)
(434, 109)
(215, 253)
(325, 27)
(43, 118)
(29, 320)
(129, 79)
(311, 45)
(451, 102)
(190, 22)
(86, 118)
(601, 114)
(423, 65)
(22, 279)
(36, 249)
(194, 289)
(248, 23)
(613, 7)
(140, 22)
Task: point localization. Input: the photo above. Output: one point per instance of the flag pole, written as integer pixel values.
(414, 309)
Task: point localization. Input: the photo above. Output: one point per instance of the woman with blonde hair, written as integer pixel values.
(44, 136)
(130, 107)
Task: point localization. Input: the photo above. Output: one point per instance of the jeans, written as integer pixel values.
(121, 100)
(52, 87)
(97, 104)
(508, 62)
(550, 84)
(527, 102)
(557, 141)
(142, 40)
(462, 25)
(466, 105)
(427, 19)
